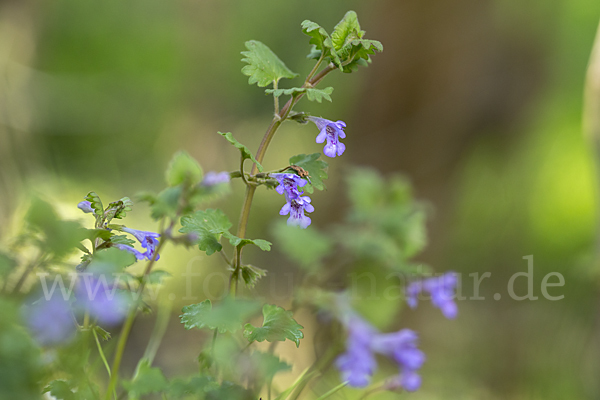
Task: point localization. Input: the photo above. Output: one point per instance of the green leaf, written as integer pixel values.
(61, 390)
(111, 261)
(307, 247)
(157, 277)
(246, 154)
(96, 205)
(262, 244)
(118, 209)
(99, 233)
(148, 380)
(264, 67)
(183, 168)
(347, 30)
(59, 237)
(104, 335)
(209, 225)
(267, 365)
(122, 239)
(321, 40)
(251, 274)
(197, 385)
(317, 169)
(278, 325)
(312, 94)
(226, 316)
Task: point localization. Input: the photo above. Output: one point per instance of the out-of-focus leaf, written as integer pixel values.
(278, 325)
(226, 316)
(183, 169)
(148, 380)
(307, 247)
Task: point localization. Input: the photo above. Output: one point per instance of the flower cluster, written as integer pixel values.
(441, 290)
(332, 132)
(358, 363)
(296, 204)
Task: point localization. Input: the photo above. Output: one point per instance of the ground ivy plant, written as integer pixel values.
(58, 316)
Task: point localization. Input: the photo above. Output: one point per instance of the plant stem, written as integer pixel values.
(103, 357)
(262, 150)
(332, 391)
(129, 322)
(275, 98)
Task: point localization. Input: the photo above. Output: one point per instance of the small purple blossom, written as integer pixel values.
(401, 346)
(441, 290)
(149, 241)
(102, 300)
(332, 132)
(358, 363)
(296, 209)
(215, 178)
(50, 321)
(85, 206)
(288, 185)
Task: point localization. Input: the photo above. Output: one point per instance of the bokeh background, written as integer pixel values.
(477, 102)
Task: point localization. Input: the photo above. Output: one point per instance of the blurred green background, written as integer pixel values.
(478, 102)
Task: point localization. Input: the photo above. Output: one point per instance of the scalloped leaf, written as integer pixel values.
(278, 325)
(321, 40)
(226, 316)
(264, 67)
(209, 225)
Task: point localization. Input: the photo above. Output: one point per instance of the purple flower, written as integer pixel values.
(441, 290)
(103, 300)
(296, 209)
(288, 185)
(148, 240)
(401, 346)
(85, 206)
(138, 254)
(358, 363)
(332, 132)
(215, 178)
(50, 321)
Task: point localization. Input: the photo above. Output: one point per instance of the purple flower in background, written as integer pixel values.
(215, 178)
(296, 209)
(148, 240)
(332, 132)
(288, 185)
(103, 300)
(50, 321)
(85, 206)
(441, 290)
(401, 346)
(358, 363)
